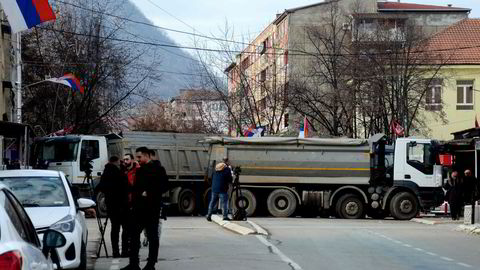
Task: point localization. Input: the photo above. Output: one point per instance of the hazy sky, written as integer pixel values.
(245, 16)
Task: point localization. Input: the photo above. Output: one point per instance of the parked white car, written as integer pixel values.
(19, 244)
(48, 200)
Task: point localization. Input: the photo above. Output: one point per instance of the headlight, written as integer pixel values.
(66, 224)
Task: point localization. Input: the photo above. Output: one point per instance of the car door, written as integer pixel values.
(33, 256)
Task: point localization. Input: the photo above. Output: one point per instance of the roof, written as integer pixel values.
(396, 6)
(460, 43)
(29, 173)
(291, 10)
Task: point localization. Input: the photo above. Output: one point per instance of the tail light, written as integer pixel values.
(11, 260)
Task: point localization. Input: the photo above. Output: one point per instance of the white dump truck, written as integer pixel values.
(182, 155)
(344, 177)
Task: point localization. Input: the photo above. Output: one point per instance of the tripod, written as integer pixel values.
(241, 213)
(101, 227)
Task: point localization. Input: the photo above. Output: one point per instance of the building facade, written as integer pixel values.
(261, 74)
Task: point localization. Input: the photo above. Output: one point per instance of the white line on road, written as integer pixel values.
(447, 259)
(419, 249)
(280, 254)
(431, 253)
(464, 265)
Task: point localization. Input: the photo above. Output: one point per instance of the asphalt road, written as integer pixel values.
(296, 243)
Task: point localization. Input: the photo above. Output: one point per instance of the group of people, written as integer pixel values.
(133, 195)
(461, 191)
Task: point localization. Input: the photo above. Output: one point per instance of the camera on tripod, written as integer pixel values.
(237, 170)
(87, 166)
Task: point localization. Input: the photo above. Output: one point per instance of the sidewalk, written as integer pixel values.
(432, 220)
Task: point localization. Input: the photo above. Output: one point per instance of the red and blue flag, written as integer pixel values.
(25, 14)
(69, 80)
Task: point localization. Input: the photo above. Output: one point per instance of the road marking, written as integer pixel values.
(431, 253)
(398, 242)
(464, 265)
(419, 249)
(407, 245)
(280, 254)
(447, 259)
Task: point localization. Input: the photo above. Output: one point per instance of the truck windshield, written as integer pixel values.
(57, 151)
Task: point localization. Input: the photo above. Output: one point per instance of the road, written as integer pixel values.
(298, 243)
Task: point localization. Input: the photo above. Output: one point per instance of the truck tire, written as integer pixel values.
(101, 205)
(247, 199)
(186, 202)
(404, 206)
(281, 203)
(349, 206)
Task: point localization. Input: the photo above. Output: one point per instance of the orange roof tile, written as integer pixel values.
(395, 6)
(460, 43)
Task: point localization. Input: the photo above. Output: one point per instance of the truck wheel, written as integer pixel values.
(349, 206)
(281, 203)
(101, 205)
(246, 200)
(404, 206)
(186, 202)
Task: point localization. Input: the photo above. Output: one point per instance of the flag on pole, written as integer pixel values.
(69, 80)
(304, 128)
(25, 14)
(396, 128)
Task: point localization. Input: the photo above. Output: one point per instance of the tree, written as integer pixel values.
(83, 43)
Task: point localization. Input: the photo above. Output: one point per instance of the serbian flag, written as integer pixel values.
(304, 129)
(396, 128)
(25, 14)
(69, 80)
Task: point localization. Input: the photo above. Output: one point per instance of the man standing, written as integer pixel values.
(131, 167)
(146, 205)
(454, 195)
(113, 184)
(220, 182)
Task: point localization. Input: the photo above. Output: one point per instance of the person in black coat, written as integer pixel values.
(220, 183)
(455, 195)
(148, 188)
(114, 184)
(471, 187)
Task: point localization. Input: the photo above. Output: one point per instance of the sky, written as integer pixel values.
(247, 18)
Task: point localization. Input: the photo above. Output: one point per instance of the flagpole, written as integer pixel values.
(18, 59)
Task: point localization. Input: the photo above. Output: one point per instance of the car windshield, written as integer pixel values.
(37, 191)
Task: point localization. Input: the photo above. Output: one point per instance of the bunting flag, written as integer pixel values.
(69, 80)
(25, 14)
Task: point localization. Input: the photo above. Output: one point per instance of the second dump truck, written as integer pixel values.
(348, 178)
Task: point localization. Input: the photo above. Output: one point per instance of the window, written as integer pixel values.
(245, 63)
(90, 149)
(419, 156)
(465, 95)
(38, 191)
(434, 98)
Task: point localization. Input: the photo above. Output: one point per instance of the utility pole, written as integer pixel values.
(18, 83)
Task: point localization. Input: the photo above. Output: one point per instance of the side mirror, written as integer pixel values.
(53, 239)
(85, 203)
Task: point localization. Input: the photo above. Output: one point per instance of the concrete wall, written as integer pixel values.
(456, 119)
(434, 22)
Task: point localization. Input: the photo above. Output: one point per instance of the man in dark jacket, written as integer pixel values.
(471, 187)
(220, 183)
(115, 187)
(146, 205)
(455, 195)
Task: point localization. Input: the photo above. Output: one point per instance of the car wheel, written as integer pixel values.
(101, 205)
(83, 257)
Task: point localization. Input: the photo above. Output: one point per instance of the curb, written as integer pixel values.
(232, 226)
(432, 222)
(472, 229)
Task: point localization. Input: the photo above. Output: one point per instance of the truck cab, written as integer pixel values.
(72, 154)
